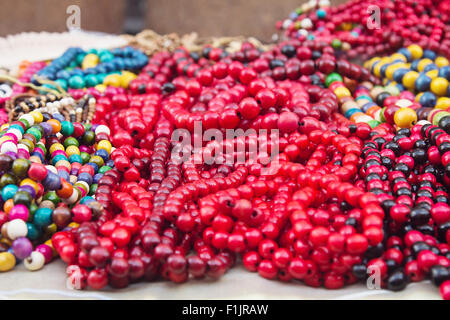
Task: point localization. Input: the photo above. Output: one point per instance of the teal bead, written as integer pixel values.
(33, 232)
(86, 199)
(58, 157)
(79, 59)
(75, 158)
(321, 13)
(62, 83)
(76, 82)
(67, 128)
(90, 80)
(9, 191)
(100, 77)
(43, 217)
(16, 126)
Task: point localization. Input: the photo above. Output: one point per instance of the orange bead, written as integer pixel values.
(56, 125)
(66, 189)
(8, 205)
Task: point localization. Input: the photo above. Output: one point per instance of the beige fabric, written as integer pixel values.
(50, 283)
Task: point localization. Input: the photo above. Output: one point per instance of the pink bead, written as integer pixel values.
(46, 251)
(19, 211)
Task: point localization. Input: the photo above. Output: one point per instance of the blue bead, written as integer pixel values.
(428, 99)
(415, 64)
(86, 200)
(103, 154)
(86, 177)
(398, 74)
(75, 158)
(58, 157)
(406, 53)
(352, 111)
(429, 67)
(52, 181)
(444, 72)
(367, 106)
(59, 117)
(93, 165)
(9, 191)
(422, 83)
(97, 177)
(64, 174)
(110, 163)
(429, 54)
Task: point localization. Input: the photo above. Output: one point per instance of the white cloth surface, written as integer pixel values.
(238, 283)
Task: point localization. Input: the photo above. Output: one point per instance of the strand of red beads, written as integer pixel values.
(316, 212)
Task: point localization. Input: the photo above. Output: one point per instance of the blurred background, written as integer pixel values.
(206, 17)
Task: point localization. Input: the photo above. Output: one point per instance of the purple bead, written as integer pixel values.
(28, 189)
(11, 154)
(52, 181)
(48, 130)
(22, 248)
(59, 117)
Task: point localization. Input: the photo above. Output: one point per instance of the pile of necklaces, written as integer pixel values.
(295, 161)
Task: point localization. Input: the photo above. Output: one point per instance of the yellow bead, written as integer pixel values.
(49, 243)
(423, 63)
(63, 163)
(71, 150)
(391, 69)
(418, 96)
(112, 80)
(37, 116)
(56, 146)
(416, 51)
(342, 92)
(97, 160)
(35, 159)
(432, 73)
(50, 230)
(439, 86)
(89, 61)
(409, 79)
(441, 62)
(443, 103)
(31, 183)
(7, 261)
(405, 118)
(106, 145)
(73, 225)
(126, 78)
(100, 87)
(4, 126)
(398, 56)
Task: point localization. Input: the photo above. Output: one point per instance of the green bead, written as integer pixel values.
(336, 43)
(104, 169)
(52, 196)
(87, 127)
(299, 10)
(332, 77)
(439, 116)
(32, 211)
(67, 128)
(93, 189)
(20, 167)
(76, 82)
(33, 232)
(88, 138)
(22, 197)
(382, 117)
(373, 123)
(91, 80)
(35, 132)
(43, 217)
(85, 157)
(71, 141)
(6, 179)
(25, 122)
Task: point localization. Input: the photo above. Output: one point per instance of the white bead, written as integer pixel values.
(303, 32)
(324, 3)
(363, 118)
(403, 103)
(286, 23)
(52, 169)
(35, 261)
(16, 228)
(29, 118)
(306, 23)
(22, 146)
(8, 146)
(102, 129)
(15, 132)
(73, 198)
(312, 3)
(64, 102)
(377, 115)
(112, 149)
(84, 183)
(57, 104)
(423, 122)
